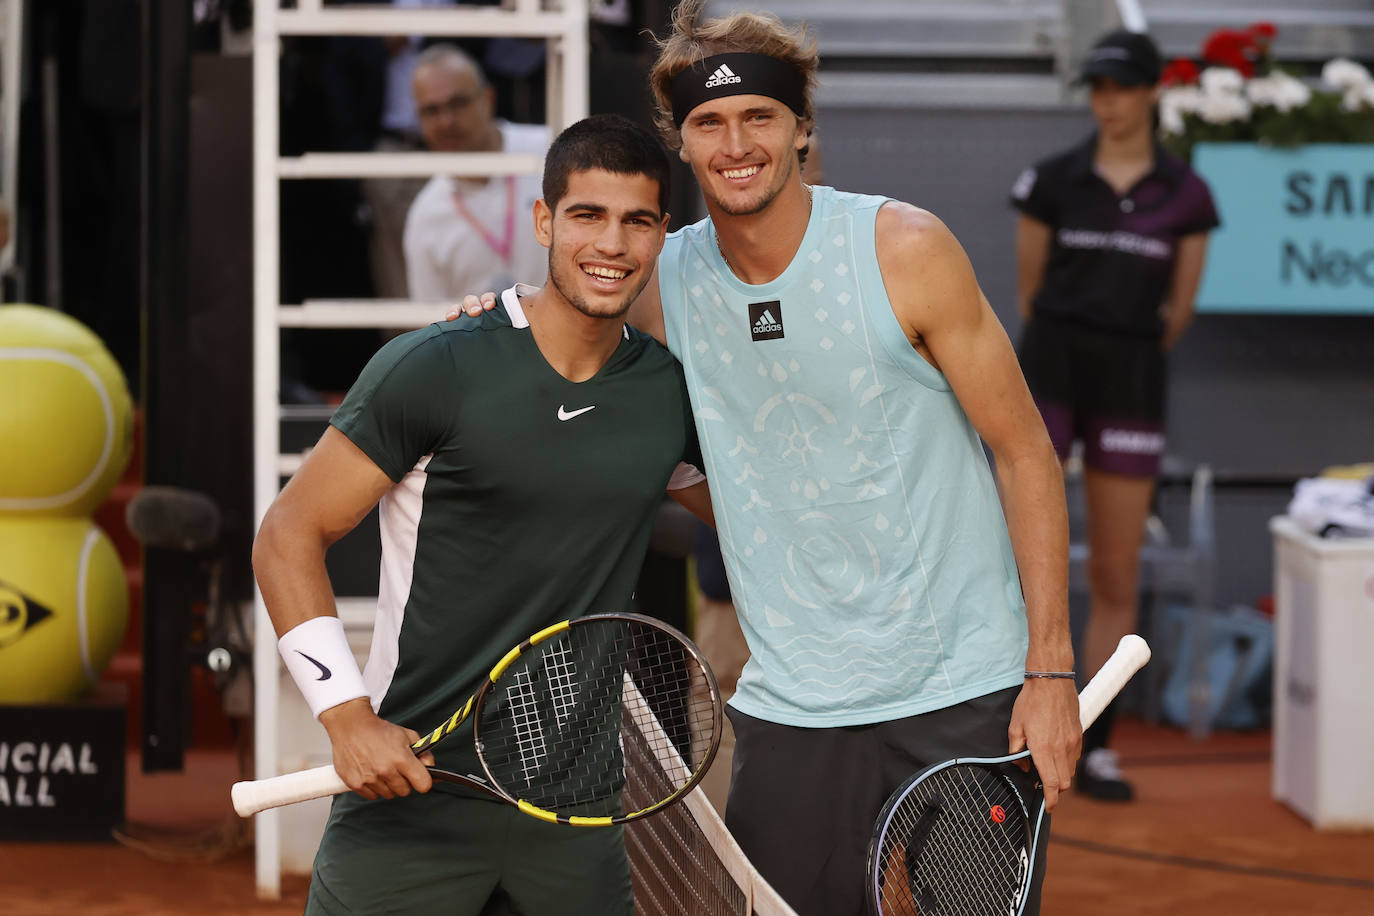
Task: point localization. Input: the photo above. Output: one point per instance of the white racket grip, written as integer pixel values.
(252, 796)
(1130, 656)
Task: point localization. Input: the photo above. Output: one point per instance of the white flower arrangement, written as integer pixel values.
(1221, 81)
(1279, 91)
(1236, 95)
(1353, 81)
(1223, 96)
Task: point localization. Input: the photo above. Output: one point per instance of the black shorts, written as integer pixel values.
(1102, 387)
(803, 801)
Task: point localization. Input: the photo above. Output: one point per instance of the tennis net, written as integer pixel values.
(683, 860)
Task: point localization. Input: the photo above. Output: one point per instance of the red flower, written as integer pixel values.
(1180, 71)
(1263, 32)
(1228, 48)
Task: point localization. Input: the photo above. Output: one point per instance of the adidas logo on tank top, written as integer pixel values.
(765, 320)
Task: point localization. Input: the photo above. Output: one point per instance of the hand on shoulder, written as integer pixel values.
(471, 305)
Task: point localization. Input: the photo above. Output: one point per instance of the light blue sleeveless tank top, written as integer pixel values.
(866, 549)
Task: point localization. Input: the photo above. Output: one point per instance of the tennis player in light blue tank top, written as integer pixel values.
(869, 560)
(843, 367)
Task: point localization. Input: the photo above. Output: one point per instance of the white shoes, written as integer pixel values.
(1100, 776)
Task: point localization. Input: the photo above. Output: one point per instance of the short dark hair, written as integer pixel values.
(608, 142)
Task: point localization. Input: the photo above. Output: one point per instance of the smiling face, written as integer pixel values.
(1121, 111)
(603, 237)
(743, 150)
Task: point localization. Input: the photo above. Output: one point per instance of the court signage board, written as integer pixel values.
(62, 770)
(1297, 232)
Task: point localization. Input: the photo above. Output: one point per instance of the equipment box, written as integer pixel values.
(62, 768)
(1324, 676)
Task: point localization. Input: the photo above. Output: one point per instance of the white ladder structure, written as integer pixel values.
(562, 24)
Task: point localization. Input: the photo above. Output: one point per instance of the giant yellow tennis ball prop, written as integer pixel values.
(66, 419)
(64, 603)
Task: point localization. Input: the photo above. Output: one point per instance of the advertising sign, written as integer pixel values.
(1297, 231)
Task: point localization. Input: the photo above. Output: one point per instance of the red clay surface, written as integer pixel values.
(1200, 801)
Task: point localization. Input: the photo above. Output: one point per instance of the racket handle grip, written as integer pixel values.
(252, 796)
(1130, 656)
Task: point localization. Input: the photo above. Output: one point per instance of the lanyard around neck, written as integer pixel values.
(503, 245)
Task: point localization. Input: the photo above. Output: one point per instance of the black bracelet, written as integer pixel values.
(1053, 675)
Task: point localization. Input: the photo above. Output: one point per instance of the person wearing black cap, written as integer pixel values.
(1110, 245)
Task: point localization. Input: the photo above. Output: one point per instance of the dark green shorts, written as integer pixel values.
(440, 853)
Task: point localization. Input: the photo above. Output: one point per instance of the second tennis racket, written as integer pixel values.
(959, 838)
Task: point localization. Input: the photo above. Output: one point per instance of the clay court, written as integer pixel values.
(205, 191)
(1205, 838)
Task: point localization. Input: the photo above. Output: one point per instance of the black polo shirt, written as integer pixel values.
(1111, 256)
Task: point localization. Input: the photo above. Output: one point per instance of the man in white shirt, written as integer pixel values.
(469, 233)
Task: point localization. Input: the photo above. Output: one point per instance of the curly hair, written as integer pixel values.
(690, 41)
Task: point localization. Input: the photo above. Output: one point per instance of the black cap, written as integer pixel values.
(1130, 58)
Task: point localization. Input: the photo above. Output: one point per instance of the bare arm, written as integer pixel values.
(937, 300)
(336, 486)
(696, 499)
(1178, 308)
(1032, 253)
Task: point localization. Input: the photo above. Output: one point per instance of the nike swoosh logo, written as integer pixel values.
(325, 673)
(569, 414)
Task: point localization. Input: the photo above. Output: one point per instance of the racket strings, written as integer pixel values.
(552, 733)
(955, 845)
(562, 669)
(527, 724)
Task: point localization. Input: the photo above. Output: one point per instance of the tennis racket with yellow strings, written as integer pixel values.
(550, 723)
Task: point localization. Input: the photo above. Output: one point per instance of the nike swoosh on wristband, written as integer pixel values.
(325, 673)
(564, 414)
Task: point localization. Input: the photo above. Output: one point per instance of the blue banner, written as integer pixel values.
(1297, 231)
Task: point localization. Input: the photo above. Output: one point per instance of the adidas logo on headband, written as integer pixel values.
(722, 77)
(738, 73)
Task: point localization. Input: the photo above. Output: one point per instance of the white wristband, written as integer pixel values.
(321, 663)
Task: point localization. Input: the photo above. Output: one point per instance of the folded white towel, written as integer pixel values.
(1334, 507)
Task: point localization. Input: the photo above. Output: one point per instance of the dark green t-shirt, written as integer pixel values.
(521, 498)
